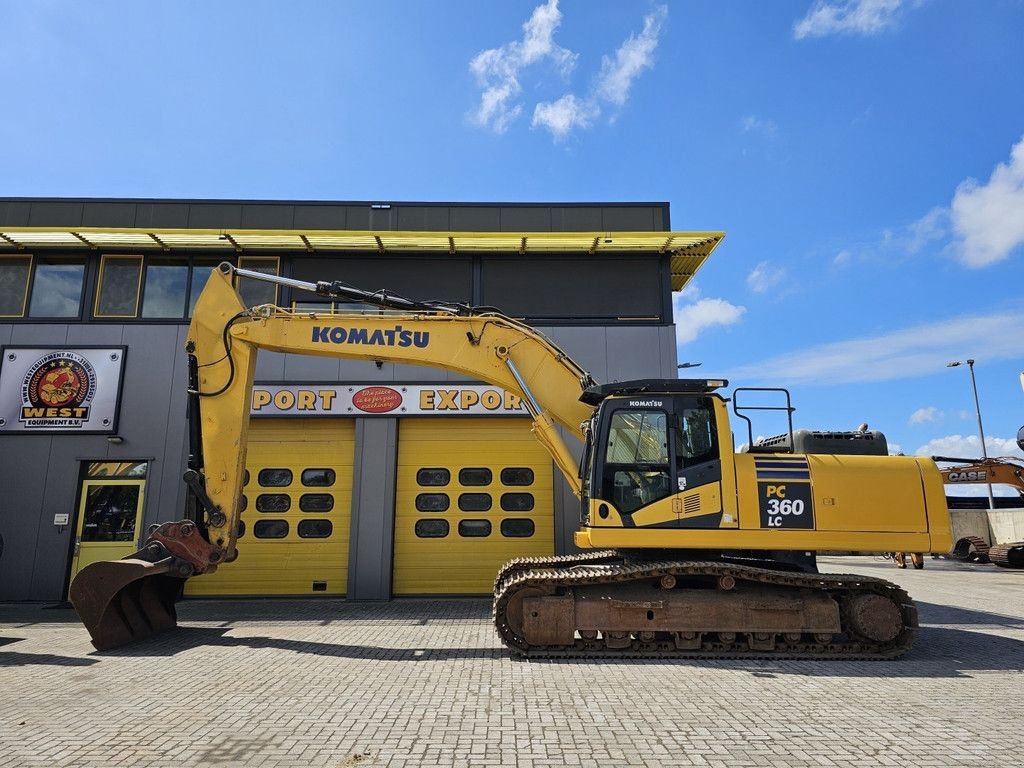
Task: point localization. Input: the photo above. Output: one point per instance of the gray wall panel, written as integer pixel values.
(23, 475)
(633, 353)
(480, 219)
(40, 335)
(357, 217)
(52, 547)
(108, 214)
(319, 217)
(53, 213)
(409, 373)
(6, 332)
(628, 219)
(270, 366)
(309, 368)
(576, 219)
(532, 219)
(214, 215)
(371, 535)
(96, 334)
(171, 215)
(15, 213)
(267, 216)
(423, 218)
(667, 337)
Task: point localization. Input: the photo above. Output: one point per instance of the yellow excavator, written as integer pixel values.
(698, 550)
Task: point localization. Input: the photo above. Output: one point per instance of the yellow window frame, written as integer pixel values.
(104, 260)
(28, 281)
(248, 262)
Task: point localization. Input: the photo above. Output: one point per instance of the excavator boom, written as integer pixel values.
(124, 600)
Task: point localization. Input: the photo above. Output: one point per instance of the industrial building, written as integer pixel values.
(366, 480)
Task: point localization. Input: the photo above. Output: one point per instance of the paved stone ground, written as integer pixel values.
(425, 682)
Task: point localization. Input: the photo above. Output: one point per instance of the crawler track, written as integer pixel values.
(971, 549)
(1008, 555)
(561, 575)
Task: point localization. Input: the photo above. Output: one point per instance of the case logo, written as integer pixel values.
(57, 391)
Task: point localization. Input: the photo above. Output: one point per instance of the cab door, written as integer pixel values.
(109, 513)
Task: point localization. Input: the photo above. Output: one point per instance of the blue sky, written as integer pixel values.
(865, 157)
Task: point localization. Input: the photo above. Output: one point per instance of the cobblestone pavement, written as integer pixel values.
(425, 682)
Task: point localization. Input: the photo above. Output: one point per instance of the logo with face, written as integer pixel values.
(58, 391)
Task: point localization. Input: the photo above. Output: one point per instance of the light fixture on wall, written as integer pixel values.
(115, 439)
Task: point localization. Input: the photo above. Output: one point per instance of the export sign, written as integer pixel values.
(58, 389)
(384, 400)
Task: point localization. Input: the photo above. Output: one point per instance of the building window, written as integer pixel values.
(119, 285)
(315, 529)
(517, 527)
(273, 502)
(256, 292)
(433, 477)
(274, 478)
(432, 502)
(475, 476)
(14, 274)
(318, 477)
(474, 502)
(474, 528)
(57, 288)
(316, 502)
(431, 529)
(517, 502)
(166, 288)
(270, 529)
(517, 476)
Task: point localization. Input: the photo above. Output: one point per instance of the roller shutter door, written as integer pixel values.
(471, 494)
(296, 512)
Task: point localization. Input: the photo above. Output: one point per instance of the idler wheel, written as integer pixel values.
(874, 617)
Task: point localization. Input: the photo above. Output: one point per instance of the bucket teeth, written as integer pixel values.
(121, 601)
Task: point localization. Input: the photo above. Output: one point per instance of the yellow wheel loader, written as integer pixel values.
(698, 550)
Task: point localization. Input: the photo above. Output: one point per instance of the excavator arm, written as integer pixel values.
(987, 471)
(121, 601)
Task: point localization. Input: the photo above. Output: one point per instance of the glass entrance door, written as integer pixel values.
(109, 514)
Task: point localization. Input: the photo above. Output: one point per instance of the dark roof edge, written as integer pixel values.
(244, 201)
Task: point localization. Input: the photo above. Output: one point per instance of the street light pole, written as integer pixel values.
(981, 429)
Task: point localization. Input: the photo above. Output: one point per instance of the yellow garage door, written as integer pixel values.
(472, 494)
(296, 509)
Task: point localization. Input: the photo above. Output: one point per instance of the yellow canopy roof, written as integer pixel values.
(688, 250)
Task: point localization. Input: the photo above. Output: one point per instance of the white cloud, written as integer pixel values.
(691, 319)
(969, 447)
(764, 276)
(914, 351)
(988, 219)
(562, 116)
(612, 85)
(634, 56)
(934, 225)
(842, 258)
(497, 69)
(925, 415)
(850, 17)
(752, 123)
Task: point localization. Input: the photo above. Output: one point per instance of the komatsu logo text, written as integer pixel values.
(646, 403)
(382, 337)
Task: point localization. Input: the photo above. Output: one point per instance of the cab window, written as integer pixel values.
(696, 438)
(636, 469)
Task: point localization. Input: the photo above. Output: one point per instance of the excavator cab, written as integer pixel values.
(650, 440)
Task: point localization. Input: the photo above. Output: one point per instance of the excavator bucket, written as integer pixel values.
(121, 601)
